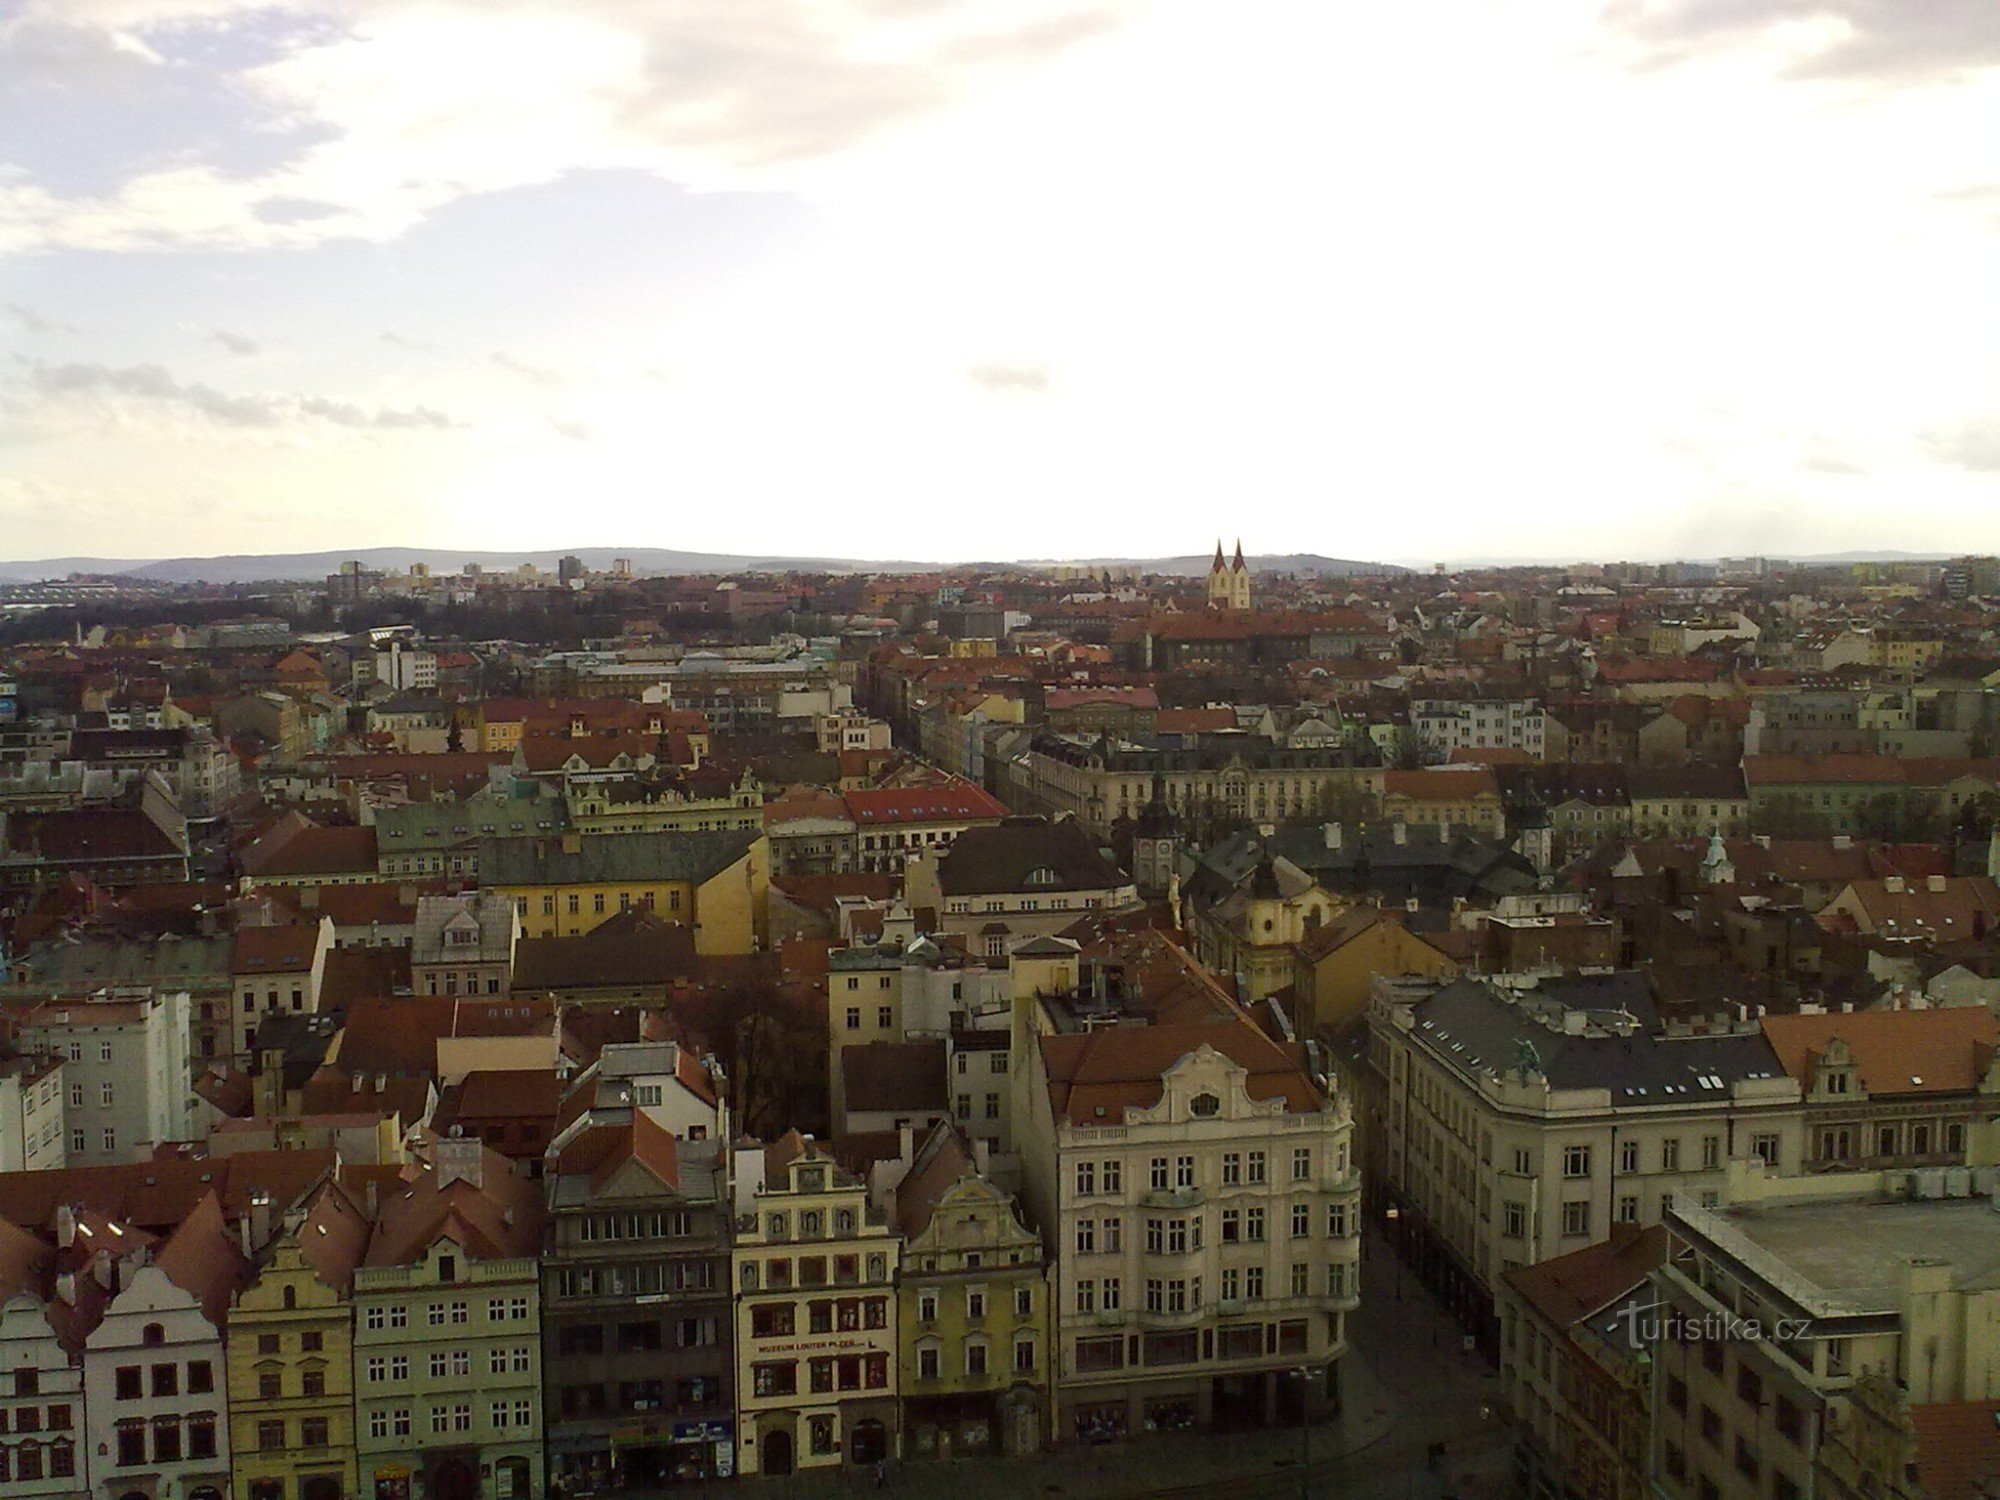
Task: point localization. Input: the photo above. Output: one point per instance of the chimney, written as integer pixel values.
(1843, 841)
(100, 1267)
(1893, 884)
(260, 1219)
(1332, 834)
(458, 1160)
(1573, 1023)
(982, 1155)
(65, 1226)
(373, 1199)
(381, 1083)
(1401, 832)
(1934, 884)
(1444, 831)
(66, 1287)
(906, 1149)
(243, 1237)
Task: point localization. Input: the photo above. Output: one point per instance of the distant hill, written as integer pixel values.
(301, 566)
(1197, 567)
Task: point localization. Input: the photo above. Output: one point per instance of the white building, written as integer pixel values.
(1453, 724)
(407, 669)
(155, 1397)
(126, 1073)
(41, 1388)
(32, 1136)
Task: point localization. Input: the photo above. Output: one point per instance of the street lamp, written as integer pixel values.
(1392, 1214)
(1305, 1375)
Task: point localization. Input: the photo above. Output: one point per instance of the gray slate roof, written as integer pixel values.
(611, 859)
(1474, 1028)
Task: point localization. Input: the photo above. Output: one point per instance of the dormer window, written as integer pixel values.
(1204, 1105)
(1836, 1083)
(1042, 876)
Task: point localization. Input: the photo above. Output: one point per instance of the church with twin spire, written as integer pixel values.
(1229, 583)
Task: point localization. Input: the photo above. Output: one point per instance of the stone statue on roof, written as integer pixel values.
(1527, 1060)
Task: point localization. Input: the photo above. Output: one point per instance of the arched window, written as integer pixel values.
(291, 1298)
(153, 1335)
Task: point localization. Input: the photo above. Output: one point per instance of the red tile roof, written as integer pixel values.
(951, 802)
(1895, 1051)
(1095, 1076)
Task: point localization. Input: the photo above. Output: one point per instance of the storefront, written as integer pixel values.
(644, 1456)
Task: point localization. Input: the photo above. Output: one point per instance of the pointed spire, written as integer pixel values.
(1217, 568)
(1238, 565)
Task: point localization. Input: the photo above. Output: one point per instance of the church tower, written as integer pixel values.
(1229, 582)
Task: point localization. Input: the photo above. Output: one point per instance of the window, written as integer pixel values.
(975, 1357)
(1158, 1174)
(1113, 1170)
(1336, 1221)
(1086, 1236)
(1232, 1168)
(166, 1380)
(1184, 1171)
(125, 1383)
(131, 1444)
(1253, 1225)
(885, 1017)
(270, 1435)
(201, 1377)
(1301, 1220)
(1628, 1156)
(1302, 1163)
(1628, 1208)
(1113, 1292)
(1256, 1167)
(1086, 1178)
(975, 1302)
(1024, 1356)
(1765, 1148)
(853, 1018)
(1024, 1301)
(1576, 1161)
(776, 1378)
(1711, 1152)
(927, 1362)
(1576, 1218)
(1086, 1296)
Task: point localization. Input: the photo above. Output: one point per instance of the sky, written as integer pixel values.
(983, 279)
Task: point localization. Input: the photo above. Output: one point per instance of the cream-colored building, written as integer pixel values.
(1198, 1189)
(815, 1271)
(1512, 1123)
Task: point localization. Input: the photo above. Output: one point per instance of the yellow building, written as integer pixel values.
(290, 1359)
(716, 882)
(975, 1352)
(1248, 933)
(815, 1276)
(1333, 966)
(1460, 796)
(636, 805)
